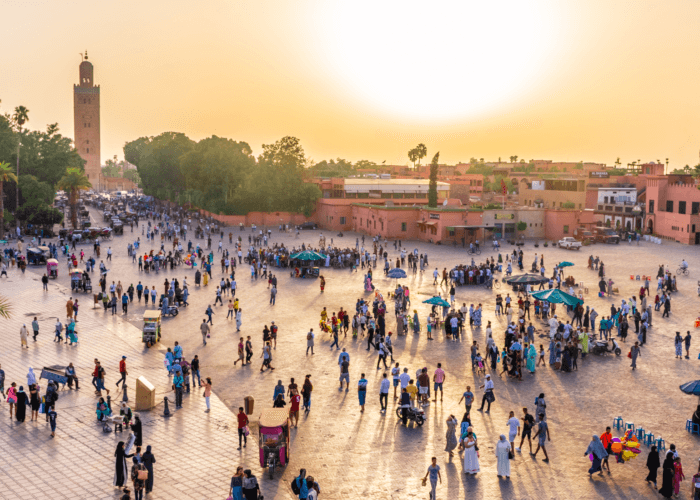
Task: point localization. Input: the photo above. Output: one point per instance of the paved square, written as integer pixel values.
(351, 454)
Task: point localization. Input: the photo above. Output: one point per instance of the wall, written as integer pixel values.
(551, 198)
(556, 221)
(116, 184)
(259, 218)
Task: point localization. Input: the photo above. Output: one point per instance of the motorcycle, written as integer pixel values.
(602, 347)
(417, 415)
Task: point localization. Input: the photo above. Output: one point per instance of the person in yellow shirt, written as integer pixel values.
(412, 391)
(235, 305)
(324, 315)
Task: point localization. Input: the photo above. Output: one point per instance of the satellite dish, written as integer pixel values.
(444, 203)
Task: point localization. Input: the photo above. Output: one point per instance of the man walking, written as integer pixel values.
(384, 392)
(488, 394)
(542, 434)
(122, 372)
(438, 379)
(205, 331)
(310, 341)
(635, 352)
(242, 424)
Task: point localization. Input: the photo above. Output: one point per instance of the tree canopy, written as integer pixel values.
(222, 175)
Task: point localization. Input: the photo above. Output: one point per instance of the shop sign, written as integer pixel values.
(435, 216)
(504, 216)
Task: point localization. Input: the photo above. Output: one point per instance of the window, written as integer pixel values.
(84, 125)
(651, 206)
(88, 125)
(669, 206)
(403, 227)
(88, 150)
(566, 229)
(695, 208)
(681, 207)
(87, 142)
(693, 227)
(342, 220)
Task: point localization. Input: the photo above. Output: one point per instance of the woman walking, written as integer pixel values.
(306, 392)
(12, 398)
(668, 475)
(251, 488)
(597, 452)
(22, 402)
(34, 401)
(503, 455)
(653, 464)
(148, 460)
(361, 391)
(207, 393)
(138, 471)
(531, 356)
(120, 470)
(451, 435)
(471, 456)
(416, 322)
(138, 432)
(236, 491)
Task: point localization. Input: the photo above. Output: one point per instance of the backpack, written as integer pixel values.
(309, 336)
(295, 486)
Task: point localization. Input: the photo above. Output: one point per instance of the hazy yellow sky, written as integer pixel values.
(561, 79)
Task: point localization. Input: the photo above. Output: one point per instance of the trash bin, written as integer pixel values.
(248, 404)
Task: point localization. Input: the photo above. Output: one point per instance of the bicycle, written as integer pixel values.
(474, 251)
(683, 270)
(492, 283)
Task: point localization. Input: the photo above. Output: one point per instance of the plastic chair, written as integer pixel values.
(648, 439)
(629, 426)
(689, 425)
(696, 429)
(640, 433)
(660, 444)
(617, 422)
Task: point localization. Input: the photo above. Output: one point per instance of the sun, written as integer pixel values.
(436, 60)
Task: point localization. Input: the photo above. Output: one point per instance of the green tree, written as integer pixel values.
(133, 176)
(73, 182)
(20, 117)
(5, 307)
(365, 164)
(6, 175)
(157, 161)
(34, 192)
(522, 226)
(568, 205)
(432, 187)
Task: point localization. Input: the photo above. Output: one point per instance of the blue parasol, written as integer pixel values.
(396, 273)
(437, 301)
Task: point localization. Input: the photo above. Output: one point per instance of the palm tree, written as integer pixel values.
(20, 117)
(6, 175)
(4, 307)
(73, 182)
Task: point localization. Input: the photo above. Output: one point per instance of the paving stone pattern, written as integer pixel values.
(352, 455)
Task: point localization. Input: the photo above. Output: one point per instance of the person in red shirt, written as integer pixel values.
(95, 374)
(242, 423)
(606, 439)
(122, 372)
(294, 408)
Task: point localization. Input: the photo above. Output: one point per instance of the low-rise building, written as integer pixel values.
(553, 193)
(618, 206)
(673, 208)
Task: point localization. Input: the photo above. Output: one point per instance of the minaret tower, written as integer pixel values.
(86, 112)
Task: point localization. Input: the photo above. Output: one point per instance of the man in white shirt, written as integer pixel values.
(514, 430)
(488, 393)
(384, 392)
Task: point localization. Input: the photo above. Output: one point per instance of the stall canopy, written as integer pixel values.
(524, 279)
(437, 301)
(556, 296)
(307, 255)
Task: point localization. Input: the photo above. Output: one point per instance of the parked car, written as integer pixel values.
(570, 243)
(307, 225)
(606, 235)
(584, 236)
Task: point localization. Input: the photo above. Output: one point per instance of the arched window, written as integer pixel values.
(88, 150)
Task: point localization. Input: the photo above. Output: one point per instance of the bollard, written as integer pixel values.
(166, 410)
(109, 402)
(125, 397)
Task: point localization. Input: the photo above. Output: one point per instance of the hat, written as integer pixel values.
(123, 357)
(273, 323)
(555, 315)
